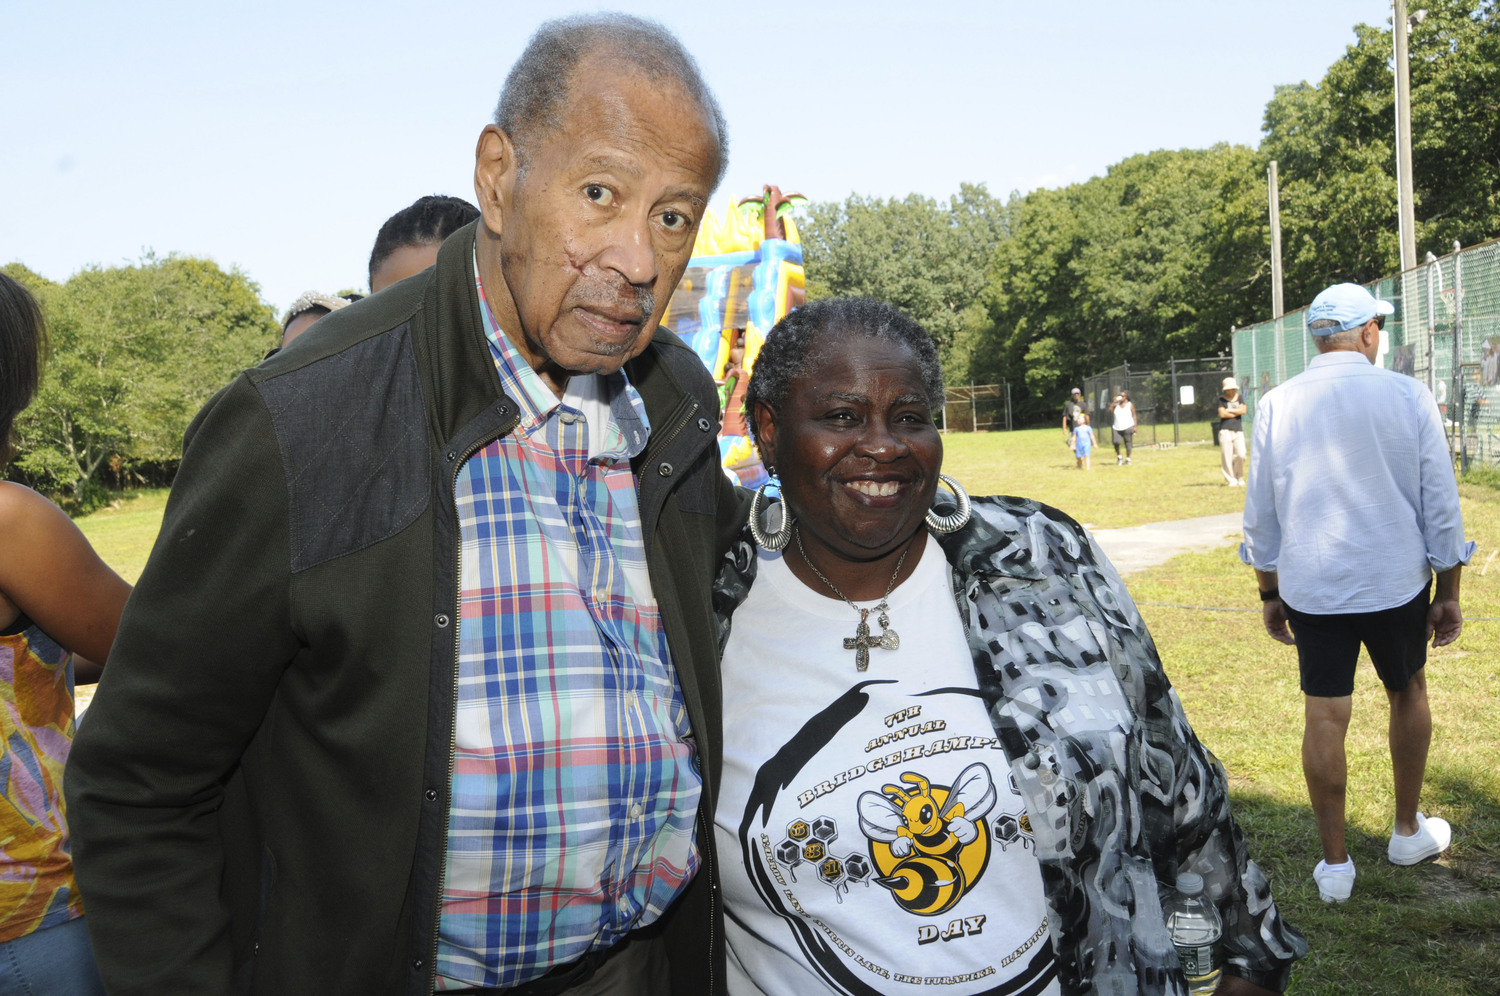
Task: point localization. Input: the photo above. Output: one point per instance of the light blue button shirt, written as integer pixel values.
(1352, 499)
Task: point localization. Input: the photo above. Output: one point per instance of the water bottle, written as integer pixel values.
(1196, 929)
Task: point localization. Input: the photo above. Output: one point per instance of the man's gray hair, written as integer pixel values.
(540, 83)
(1346, 339)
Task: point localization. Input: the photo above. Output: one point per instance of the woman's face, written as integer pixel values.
(855, 447)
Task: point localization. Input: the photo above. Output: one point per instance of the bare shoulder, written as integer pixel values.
(23, 511)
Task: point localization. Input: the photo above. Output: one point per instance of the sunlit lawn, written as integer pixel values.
(1160, 485)
(1432, 930)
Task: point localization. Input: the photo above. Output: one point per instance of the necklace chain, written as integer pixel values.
(862, 641)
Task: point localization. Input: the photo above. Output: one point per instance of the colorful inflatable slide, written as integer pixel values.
(745, 273)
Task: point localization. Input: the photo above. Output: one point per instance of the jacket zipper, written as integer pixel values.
(658, 444)
(713, 902)
(458, 595)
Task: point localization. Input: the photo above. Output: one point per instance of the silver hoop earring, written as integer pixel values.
(777, 539)
(956, 521)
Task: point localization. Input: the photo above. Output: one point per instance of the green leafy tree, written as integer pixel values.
(927, 257)
(1159, 257)
(135, 351)
(1335, 148)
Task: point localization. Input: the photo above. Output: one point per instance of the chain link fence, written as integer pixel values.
(976, 408)
(1161, 403)
(1445, 332)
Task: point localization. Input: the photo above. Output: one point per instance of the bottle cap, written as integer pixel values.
(1190, 883)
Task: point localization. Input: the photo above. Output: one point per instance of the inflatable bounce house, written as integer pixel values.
(745, 273)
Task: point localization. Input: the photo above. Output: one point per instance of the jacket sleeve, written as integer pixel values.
(1259, 946)
(201, 648)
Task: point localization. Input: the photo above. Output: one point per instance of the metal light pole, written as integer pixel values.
(1400, 27)
(1274, 192)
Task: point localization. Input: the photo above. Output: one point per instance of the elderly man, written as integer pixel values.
(1351, 510)
(418, 690)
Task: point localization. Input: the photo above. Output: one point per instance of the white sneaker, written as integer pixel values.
(1430, 840)
(1335, 882)
(1119, 460)
(1127, 461)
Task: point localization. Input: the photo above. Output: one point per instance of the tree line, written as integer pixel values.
(1169, 250)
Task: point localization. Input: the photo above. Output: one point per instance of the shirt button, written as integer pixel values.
(567, 418)
(636, 812)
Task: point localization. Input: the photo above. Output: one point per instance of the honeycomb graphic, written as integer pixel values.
(798, 830)
(1011, 828)
(825, 829)
(814, 850)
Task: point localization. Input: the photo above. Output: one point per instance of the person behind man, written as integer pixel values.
(419, 689)
(408, 241)
(305, 311)
(1071, 408)
(1122, 411)
(1232, 434)
(1351, 509)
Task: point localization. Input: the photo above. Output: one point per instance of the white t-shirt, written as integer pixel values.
(1124, 416)
(848, 865)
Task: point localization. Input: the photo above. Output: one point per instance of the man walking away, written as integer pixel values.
(1351, 510)
(1232, 434)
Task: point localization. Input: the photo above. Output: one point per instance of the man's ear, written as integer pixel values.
(494, 176)
(765, 433)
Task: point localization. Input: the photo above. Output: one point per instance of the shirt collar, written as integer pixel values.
(610, 405)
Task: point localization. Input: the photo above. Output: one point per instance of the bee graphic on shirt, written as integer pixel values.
(929, 842)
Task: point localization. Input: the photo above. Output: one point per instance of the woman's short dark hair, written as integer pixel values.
(429, 220)
(22, 341)
(791, 341)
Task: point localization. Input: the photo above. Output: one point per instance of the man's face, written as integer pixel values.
(593, 238)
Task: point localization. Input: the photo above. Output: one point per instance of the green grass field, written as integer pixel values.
(1426, 931)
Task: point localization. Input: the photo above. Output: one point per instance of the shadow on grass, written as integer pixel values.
(1430, 929)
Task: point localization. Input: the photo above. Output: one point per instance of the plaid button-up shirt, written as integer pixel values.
(575, 785)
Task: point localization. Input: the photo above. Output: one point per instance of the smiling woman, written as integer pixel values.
(1011, 774)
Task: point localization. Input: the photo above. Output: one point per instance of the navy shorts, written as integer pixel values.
(1328, 646)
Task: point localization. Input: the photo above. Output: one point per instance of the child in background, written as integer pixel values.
(1083, 440)
(56, 596)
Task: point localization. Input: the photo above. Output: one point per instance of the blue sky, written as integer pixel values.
(276, 137)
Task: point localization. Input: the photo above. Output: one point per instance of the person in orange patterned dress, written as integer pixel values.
(59, 607)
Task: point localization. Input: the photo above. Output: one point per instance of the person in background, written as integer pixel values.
(1351, 510)
(306, 310)
(56, 596)
(1071, 408)
(1122, 409)
(408, 241)
(1083, 441)
(1232, 434)
(1012, 773)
